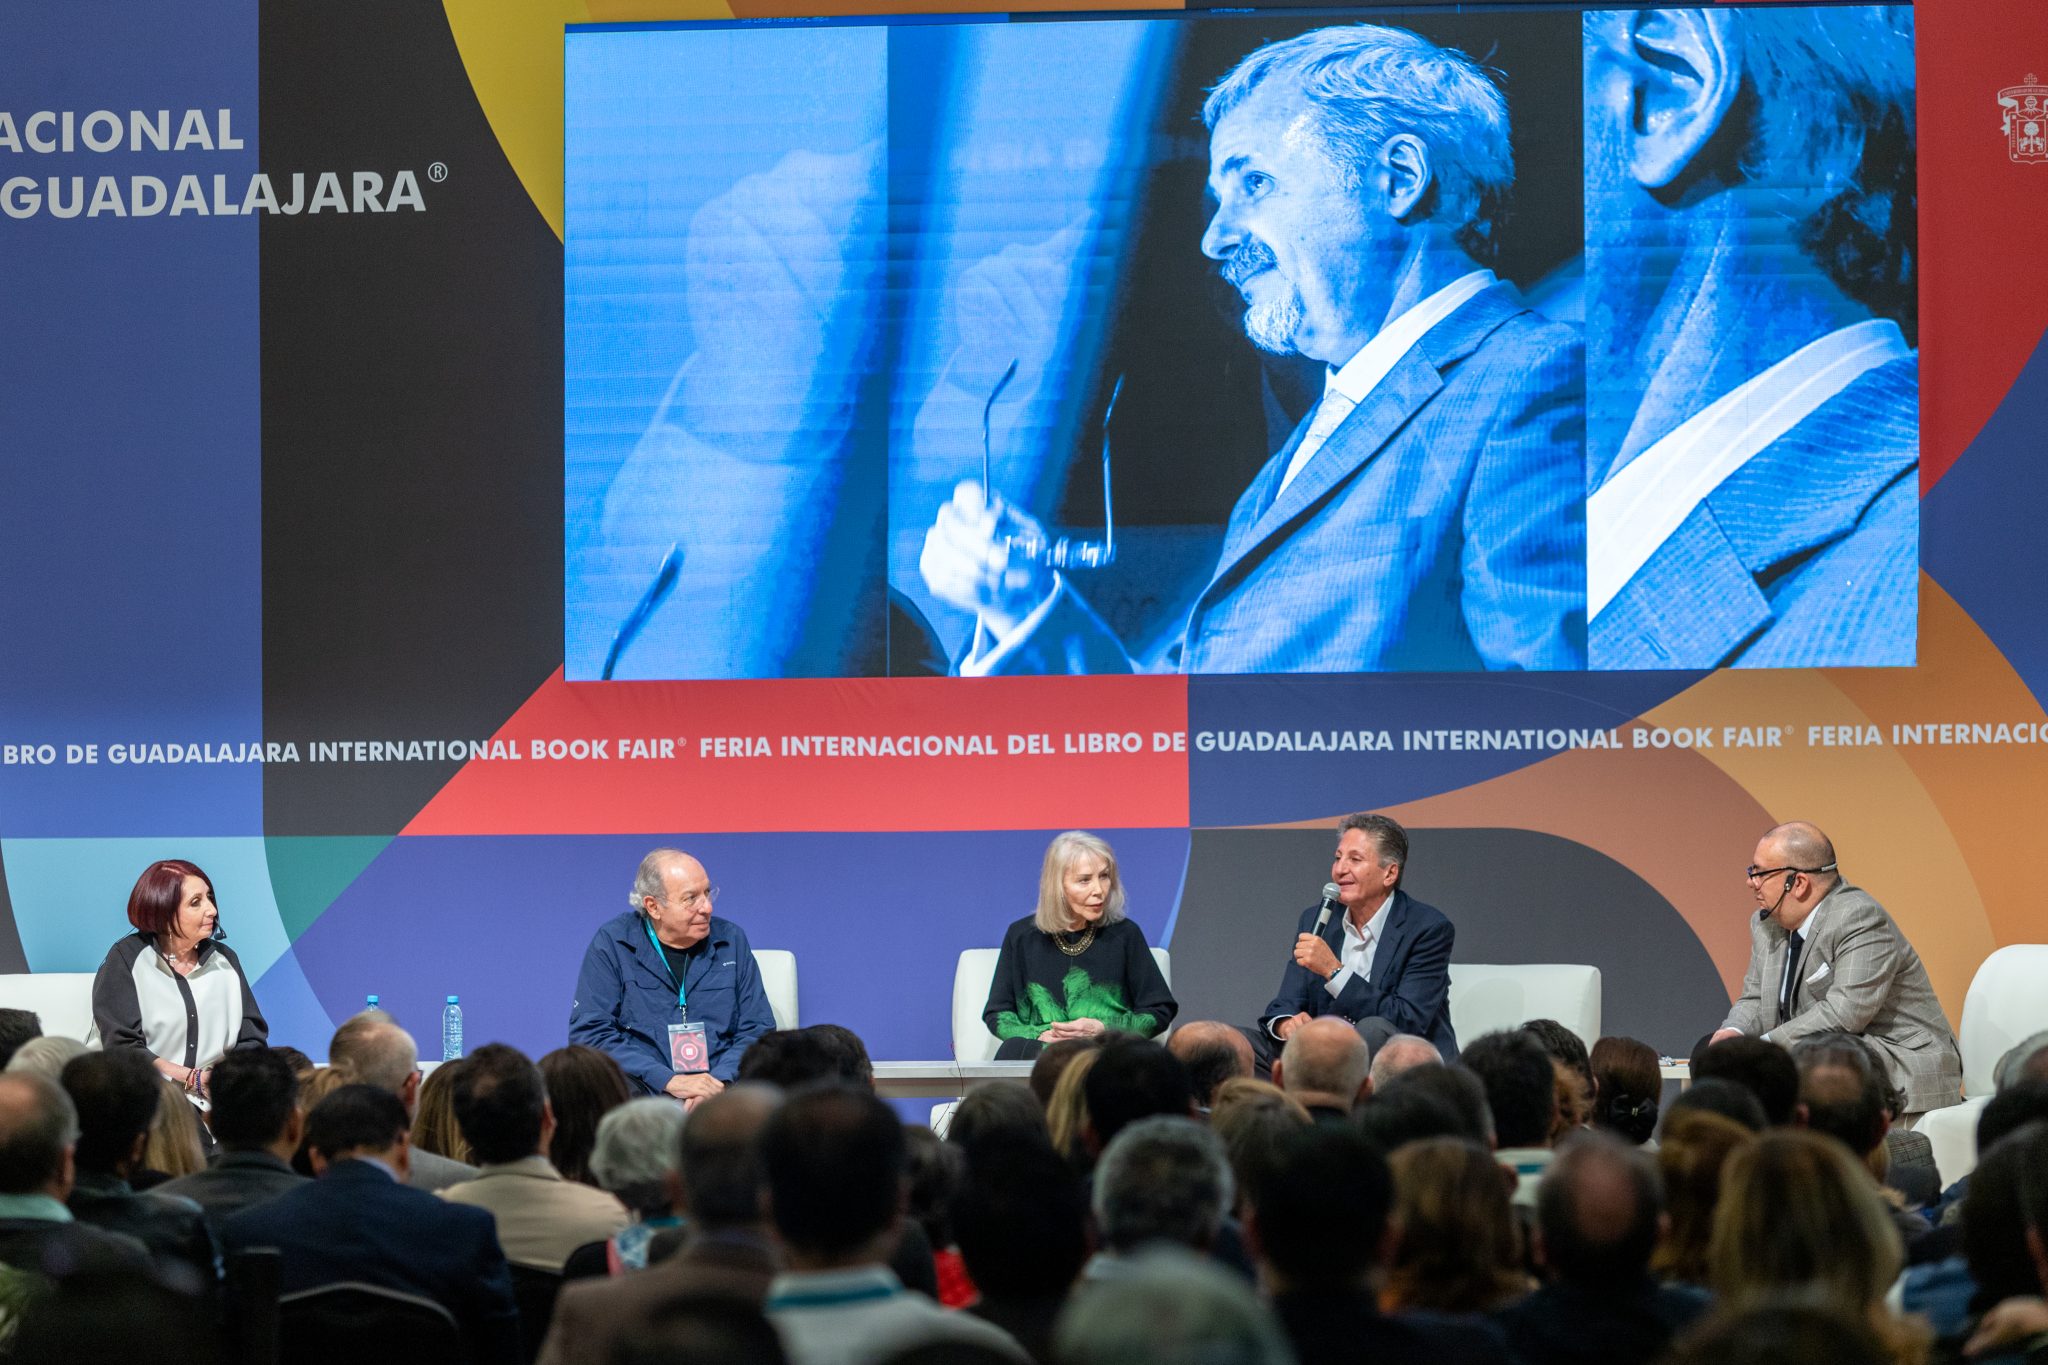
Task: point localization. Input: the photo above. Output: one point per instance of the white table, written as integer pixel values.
(942, 1080)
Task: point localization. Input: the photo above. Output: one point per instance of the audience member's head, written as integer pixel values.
(1164, 1178)
(2026, 1060)
(1842, 1089)
(835, 1161)
(16, 1028)
(1170, 1307)
(1787, 1332)
(371, 1049)
(46, 1056)
(936, 1169)
(501, 1105)
(722, 1176)
(116, 1096)
(583, 1085)
(1326, 1177)
(1628, 1086)
(1765, 1070)
(434, 1128)
(1797, 1209)
(1597, 1212)
(1251, 1118)
(998, 1108)
(1052, 1064)
(1521, 1085)
(1455, 1087)
(850, 1060)
(176, 1144)
(1213, 1053)
(1325, 1065)
(2034, 1199)
(1563, 1046)
(634, 1154)
(1406, 1114)
(1133, 1079)
(356, 1121)
(704, 1329)
(38, 1129)
(1020, 1218)
(2009, 1110)
(255, 1098)
(302, 1066)
(1459, 1248)
(1737, 1103)
(1994, 1220)
(1695, 1149)
(791, 1058)
(1402, 1052)
(1066, 1113)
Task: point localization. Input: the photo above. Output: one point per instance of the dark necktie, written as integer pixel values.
(1785, 987)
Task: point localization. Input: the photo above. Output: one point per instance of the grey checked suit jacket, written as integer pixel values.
(1874, 985)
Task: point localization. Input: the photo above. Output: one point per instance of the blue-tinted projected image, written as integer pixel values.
(1753, 387)
(1224, 344)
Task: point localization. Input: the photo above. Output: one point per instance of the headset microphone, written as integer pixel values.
(1330, 904)
(1790, 877)
(219, 934)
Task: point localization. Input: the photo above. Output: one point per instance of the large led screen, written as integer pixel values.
(1246, 343)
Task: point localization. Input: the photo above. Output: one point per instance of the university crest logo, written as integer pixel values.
(2025, 110)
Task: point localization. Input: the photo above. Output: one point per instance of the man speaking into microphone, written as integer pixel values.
(1825, 958)
(1368, 953)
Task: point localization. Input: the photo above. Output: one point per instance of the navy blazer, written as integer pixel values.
(1411, 976)
(356, 1223)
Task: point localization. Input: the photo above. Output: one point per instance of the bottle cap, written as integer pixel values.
(451, 999)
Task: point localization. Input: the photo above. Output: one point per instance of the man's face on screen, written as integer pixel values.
(1293, 236)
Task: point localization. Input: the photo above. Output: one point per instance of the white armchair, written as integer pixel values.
(1486, 997)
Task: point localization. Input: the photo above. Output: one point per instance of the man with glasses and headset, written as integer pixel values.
(1826, 958)
(668, 989)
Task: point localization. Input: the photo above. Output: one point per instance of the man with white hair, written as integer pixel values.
(1163, 1179)
(1402, 1052)
(1326, 1066)
(1429, 513)
(371, 1049)
(668, 989)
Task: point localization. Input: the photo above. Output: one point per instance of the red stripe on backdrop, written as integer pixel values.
(828, 754)
(1983, 283)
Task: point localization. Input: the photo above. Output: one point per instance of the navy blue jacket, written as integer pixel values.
(1411, 976)
(625, 999)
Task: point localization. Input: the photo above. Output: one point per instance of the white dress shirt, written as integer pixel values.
(1629, 517)
(1359, 947)
(1345, 388)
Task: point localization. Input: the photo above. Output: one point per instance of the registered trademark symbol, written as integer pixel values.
(438, 172)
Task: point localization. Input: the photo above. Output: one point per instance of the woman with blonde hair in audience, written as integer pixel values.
(1066, 1113)
(174, 1146)
(1252, 1118)
(1457, 1245)
(1800, 1215)
(1694, 1151)
(433, 1123)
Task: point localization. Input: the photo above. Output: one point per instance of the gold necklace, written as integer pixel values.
(1075, 950)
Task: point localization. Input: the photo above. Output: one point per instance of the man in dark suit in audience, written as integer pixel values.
(1318, 1227)
(256, 1121)
(116, 1096)
(1843, 1093)
(38, 1130)
(1596, 1225)
(359, 1222)
(371, 1049)
(728, 1255)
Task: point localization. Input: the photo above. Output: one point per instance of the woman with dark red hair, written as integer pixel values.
(171, 989)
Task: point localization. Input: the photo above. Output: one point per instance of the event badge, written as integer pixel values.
(688, 1052)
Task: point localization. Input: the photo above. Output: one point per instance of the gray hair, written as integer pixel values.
(1051, 915)
(1365, 83)
(1162, 1179)
(637, 1151)
(46, 1056)
(371, 1049)
(1168, 1307)
(1389, 840)
(2012, 1068)
(649, 879)
(1402, 1052)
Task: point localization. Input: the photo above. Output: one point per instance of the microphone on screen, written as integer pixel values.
(1330, 906)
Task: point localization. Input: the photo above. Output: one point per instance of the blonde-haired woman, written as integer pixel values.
(1075, 966)
(1800, 1217)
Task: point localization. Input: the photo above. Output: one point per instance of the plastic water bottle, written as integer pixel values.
(451, 1030)
(369, 1002)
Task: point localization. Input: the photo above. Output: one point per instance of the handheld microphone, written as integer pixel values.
(1330, 905)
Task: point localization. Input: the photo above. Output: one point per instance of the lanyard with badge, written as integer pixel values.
(689, 1053)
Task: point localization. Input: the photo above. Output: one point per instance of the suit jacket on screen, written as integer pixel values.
(1441, 527)
(1411, 976)
(1856, 974)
